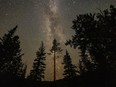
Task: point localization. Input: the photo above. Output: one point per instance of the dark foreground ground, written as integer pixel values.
(59, 83)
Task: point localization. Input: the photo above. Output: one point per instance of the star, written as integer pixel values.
(74, 2)
(6, 14)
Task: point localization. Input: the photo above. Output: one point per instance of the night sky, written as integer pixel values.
(44, 20)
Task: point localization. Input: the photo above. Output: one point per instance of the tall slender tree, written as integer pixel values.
(37, 73)
(10, 54)
(55, 49)
(70, 71)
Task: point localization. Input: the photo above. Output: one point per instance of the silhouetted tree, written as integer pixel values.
(95, 38)
(70, 71)
(82, 27)
(55, 49)
(10, 55)
(81, 68)
(37, 73)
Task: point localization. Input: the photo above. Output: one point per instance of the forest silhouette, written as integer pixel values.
(94, 37)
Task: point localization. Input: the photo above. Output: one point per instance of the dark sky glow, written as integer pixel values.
(42, 20)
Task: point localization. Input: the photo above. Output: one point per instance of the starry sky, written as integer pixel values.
(44, 20)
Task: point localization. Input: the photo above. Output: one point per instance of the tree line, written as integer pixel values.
(11, 59)
(95, 38)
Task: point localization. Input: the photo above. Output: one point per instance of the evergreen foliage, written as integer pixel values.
(37, 73)
(70, 71)
(11, 64)
(55, 49)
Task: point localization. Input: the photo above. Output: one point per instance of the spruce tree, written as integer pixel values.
(37, 73)
(10, 54)
(70, 71)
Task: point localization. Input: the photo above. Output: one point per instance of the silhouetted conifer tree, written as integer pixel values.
(55, 49)
(10, 55)
(70, 71)
(81, 68)
(37, 73)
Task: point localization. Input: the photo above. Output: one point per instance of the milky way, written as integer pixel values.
(53, 26)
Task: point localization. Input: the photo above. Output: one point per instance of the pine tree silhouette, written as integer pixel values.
(55, 49)
(37, 73)
(11, 63)
(70, 71)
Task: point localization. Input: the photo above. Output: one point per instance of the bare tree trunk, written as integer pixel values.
(54, 66)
